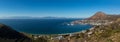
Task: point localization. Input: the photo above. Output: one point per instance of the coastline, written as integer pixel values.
(59, 34)
(35, 36)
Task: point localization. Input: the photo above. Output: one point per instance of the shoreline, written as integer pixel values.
(59, 34)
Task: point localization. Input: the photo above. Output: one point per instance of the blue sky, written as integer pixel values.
(57, 8)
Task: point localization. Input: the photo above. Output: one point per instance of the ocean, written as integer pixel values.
(44, 26)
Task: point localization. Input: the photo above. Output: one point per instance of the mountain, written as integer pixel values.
(50, 17)
(103, 16)
(29, 17)
(98, 16)
(7, 34)
(18, 17)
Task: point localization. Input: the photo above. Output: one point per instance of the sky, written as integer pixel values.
(57, 8)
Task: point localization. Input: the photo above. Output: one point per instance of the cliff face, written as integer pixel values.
(103, 16)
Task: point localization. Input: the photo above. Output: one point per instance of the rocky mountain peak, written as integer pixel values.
(98, 16)
(100, 13)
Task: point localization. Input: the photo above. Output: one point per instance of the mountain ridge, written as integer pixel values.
(103, 16)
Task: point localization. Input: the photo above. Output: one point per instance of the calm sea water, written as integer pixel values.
(44, 26)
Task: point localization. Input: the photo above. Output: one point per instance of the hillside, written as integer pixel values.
(103, 16)
(109, 33)
(98, 16)
(102, 33)
(7, 34)
(99, 33)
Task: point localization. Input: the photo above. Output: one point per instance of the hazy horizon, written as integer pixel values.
(57, 8)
